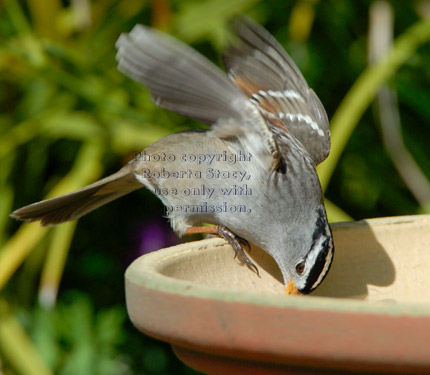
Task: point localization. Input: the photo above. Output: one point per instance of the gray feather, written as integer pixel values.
(180, 79)
(78, 203)
(183, 81)
(263, 70)
(262, 57)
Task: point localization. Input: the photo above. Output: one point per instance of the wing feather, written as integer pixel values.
(260, 67)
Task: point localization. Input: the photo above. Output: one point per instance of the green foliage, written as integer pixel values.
(73, 339)
(67, 116)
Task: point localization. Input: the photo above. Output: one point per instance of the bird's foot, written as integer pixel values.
(235, 241)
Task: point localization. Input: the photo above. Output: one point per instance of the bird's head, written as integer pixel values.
(306, 254)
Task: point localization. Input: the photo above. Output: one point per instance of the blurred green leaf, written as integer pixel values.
(193, 22)
(16, 347)
(73, 125)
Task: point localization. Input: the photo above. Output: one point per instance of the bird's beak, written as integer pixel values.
(292, 289)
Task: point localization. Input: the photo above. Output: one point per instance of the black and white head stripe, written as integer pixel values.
(319, 258)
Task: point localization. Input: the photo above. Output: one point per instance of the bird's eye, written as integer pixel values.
(300, 268)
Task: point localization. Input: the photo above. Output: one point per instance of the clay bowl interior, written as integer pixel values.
(214, 310)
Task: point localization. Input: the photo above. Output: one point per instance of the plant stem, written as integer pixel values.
(364, 90)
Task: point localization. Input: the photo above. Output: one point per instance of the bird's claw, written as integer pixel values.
(236, 242)
(251, 265)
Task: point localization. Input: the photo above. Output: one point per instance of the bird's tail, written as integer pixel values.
(73, 205)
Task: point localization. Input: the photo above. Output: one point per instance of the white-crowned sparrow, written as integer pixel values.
(252, 174)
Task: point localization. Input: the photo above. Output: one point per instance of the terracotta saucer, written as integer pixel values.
(371, 314)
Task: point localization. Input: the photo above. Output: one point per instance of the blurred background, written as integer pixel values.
(68, 117)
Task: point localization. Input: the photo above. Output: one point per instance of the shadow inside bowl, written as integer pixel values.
(361, 266)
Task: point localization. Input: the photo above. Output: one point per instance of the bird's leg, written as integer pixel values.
(235, 242)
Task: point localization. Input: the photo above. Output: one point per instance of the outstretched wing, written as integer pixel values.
(261, 68)
(183, 81)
